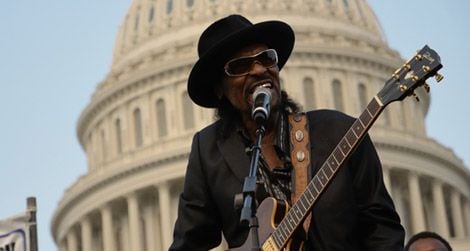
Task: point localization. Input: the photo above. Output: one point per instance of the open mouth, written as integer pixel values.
(261, 84)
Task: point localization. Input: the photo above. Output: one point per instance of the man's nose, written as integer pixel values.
(257, 68)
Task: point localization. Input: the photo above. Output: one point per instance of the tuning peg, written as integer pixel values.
(403, 88)
(415, 96)
(426, 87)
(397, 71)
(438, 77)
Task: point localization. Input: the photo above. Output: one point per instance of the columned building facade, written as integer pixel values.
(137, 129)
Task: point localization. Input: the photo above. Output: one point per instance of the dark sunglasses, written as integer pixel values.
(242, 65)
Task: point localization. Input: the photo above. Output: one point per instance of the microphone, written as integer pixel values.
(261, 105)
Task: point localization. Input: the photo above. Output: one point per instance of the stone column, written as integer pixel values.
(107, 229)
(72, 241)
(63, 245)
(467, 216)
(439, 209)
(134, 222)
(418, 223)
(387, 179)
(124, 234)
(165, 219)
(149, 228)
(86, 233)
(457, 215)
(158, 229)
(399, 202)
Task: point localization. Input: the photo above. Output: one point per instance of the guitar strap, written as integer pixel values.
(300, 157)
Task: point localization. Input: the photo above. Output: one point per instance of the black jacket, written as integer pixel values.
(355, 212)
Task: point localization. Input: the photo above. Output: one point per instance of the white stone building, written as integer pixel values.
(138, 127)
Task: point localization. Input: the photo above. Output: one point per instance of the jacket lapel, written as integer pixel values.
(233, 151)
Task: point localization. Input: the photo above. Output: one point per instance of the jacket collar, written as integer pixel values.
(233, 151)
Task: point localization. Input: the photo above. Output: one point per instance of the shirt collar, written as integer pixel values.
(281, 138)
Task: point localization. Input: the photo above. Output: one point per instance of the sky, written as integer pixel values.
(53, 53)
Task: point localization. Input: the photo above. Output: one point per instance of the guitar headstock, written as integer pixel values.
(412, 75)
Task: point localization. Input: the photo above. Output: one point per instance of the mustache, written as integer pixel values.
(258, 78)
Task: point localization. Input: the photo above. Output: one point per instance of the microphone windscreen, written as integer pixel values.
(261, 104)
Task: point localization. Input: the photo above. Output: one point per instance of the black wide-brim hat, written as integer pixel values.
(221, 40)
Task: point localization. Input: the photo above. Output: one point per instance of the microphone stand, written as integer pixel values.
(248, 212)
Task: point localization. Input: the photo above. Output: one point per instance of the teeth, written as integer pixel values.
(266, 85)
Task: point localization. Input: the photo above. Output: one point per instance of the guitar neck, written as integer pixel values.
(345, 147)
(403, 83)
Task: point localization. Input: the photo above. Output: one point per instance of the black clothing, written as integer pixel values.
(355, 212)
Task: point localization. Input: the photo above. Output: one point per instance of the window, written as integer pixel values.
(90, 145)
(188, 112)
(338, 95)
(136, 24)
(359, 9)
(169, 7)
(362, 96)
(161, 118)
(118, 130)
(138, 127)
(91, 150)
(190, 3)
(309, 94)
(103, 146)
(151, 14)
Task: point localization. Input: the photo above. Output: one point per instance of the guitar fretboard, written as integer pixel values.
(306, 200)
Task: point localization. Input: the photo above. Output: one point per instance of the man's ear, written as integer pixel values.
(219, 91)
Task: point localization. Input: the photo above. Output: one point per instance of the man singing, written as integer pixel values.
(237, 58)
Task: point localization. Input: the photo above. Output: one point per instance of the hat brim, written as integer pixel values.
(208, 70)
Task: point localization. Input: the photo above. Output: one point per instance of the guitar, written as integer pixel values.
(277, 222)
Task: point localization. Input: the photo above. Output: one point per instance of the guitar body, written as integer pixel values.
(270, 213)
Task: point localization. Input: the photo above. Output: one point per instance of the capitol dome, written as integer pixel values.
(137, 129)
